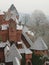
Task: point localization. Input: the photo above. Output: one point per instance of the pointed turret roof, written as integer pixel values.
(13, 9)
(39, 44)
(13, 52)
(12, 13)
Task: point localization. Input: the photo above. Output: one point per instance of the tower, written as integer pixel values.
(12, 30)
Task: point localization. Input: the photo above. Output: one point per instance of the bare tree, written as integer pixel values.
(25, 18)
(39, 20)
(38, 17)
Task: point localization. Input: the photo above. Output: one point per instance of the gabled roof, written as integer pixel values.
(13, 8)
(39, 44)
(11, 13)
(27, 38)
(13, 52)
(25, 49)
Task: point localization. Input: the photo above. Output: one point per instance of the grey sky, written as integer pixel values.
(26, 6)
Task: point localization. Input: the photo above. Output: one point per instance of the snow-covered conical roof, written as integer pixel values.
(39, 44)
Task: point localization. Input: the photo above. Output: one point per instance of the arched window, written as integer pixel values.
(28, 62)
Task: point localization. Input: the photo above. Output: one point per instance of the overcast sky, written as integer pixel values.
(26, 6)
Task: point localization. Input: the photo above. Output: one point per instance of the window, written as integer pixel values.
(29, 63)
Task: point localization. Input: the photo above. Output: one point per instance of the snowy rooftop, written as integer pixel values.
(7, 48)
(21, 51)
(19, 42)
(19, 27)
(27, 38)
(3, 44)
(25, 49)
(25, 29)
(16, 61)
(28, 51)
(30, 33)
(39, 44)
(13, 52)
(13, 8)
(4, 27)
